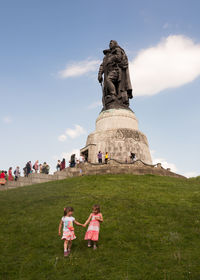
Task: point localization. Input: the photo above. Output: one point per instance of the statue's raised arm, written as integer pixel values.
(114, 77)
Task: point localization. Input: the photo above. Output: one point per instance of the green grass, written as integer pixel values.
(151, 229)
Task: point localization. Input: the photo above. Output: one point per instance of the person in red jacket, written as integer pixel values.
(62, 165)
(2, 178)
(2, 175)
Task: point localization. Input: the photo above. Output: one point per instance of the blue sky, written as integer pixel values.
(50, 52)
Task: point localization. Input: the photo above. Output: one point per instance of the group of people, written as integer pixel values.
(92, 233)
(106, 157)
(72, 162)
(100, 157)
(28, 169)
(8, 176)
(36, 168)
(61, 165)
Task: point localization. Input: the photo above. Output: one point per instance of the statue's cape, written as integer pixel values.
(125, 82)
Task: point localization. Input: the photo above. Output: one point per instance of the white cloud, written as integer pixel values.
(7, 119)
(76, 132)
(191, 174)
(95, 105)
(163, 162)
(79, 68)
(62, 138)
(72, 133)
(175, 61)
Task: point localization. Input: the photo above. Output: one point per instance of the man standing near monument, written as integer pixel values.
(99, 157)
(117, 88)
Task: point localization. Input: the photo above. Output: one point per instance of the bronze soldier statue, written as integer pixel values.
(117, 88)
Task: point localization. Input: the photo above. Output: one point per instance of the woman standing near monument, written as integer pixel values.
(106, 158)
(10, 176)
(99, 156)
(36, 166)
(17, 173)
(62, 166)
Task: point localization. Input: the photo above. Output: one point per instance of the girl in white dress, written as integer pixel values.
(68, 229)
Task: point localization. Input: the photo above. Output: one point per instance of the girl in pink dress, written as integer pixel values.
(68, 229)
(92, 233)
(36, 166)
(10, 176)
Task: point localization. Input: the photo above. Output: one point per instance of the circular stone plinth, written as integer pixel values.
(119, 143)
(116, 118)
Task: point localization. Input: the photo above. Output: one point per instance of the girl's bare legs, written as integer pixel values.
(69, 245)
(89, 243)
(66, 253)
(65, 245)
(94, 245)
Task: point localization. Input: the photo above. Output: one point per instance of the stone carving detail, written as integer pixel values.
(119, 134)
(122, 134)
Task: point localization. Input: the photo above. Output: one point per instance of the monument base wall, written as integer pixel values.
(117, 133)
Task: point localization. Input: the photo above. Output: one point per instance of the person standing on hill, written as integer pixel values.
(106, 158)
(28, 168)
(99, 157)
(2, 175)
(40, 168)
(62, 164)
(92, 233)
(58, 166)
(68, 229)
(2, 178)
(17, 173)
(36, 166)
(10, 176)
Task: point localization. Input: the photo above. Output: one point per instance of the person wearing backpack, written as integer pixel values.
(17, 173)
(28, 168)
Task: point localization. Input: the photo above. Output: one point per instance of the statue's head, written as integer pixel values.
(113, 44)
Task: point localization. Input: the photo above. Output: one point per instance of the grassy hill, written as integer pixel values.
(151, 229)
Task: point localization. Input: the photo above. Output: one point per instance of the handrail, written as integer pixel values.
(127, 163)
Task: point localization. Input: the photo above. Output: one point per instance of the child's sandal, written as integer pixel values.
(66, 253)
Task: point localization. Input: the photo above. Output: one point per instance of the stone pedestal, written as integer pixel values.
(117, 133)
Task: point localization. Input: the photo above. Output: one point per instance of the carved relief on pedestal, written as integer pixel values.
(130, 134)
